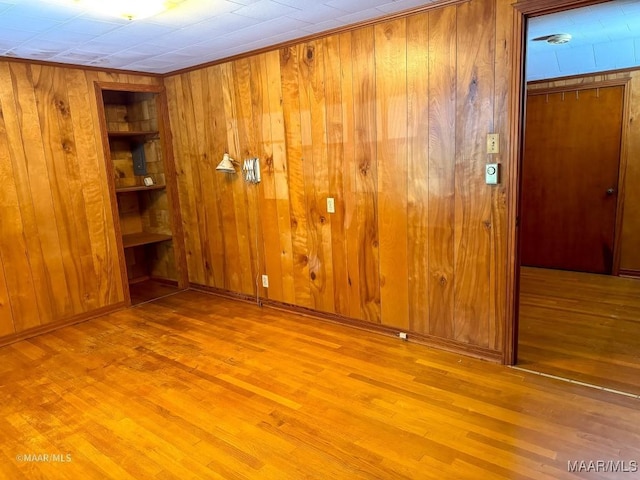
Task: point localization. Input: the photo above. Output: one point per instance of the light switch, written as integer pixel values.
(492, 173)
(493, 143)
(331, 205)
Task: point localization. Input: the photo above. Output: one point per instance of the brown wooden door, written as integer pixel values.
(570, 179)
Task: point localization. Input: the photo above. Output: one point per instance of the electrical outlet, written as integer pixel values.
(265, 281)
(493, 143)
(331, 205)
(403, 336)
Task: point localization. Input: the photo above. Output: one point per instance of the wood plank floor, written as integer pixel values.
(193, 386)
(581, 326)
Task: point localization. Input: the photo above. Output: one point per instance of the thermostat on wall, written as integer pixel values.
(492, 173)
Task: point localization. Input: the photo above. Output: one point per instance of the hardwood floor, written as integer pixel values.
(581, 326)
(193, 386)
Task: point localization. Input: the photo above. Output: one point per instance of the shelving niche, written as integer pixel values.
(145, 213)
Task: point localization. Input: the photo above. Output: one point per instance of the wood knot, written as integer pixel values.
(294, 223)
(375, 244)
(310, 52)
(473, 87)
(487, 224)
(313, 275)
(443, 281)
(62, 107)
(285, 54)
(67, 146)
(304, 260)
(269, 163)
(364, 167)
(388, 32)
(322, 219)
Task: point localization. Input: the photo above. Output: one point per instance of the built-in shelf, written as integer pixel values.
(134, 134)
(139, 188)
(143, 238)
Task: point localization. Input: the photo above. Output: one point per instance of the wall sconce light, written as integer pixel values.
(226, 165)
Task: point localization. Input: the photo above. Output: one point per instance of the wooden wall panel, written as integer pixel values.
(292, 120)
(388, 119)
(367, 239)
(6, 316)
(441, 188)
(337, 172)
(475, 89)
(418, 152)
(316, 172)
(392, 160)
(630, 232)
(57, 242)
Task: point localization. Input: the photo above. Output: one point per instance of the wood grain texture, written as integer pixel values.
(630, 230)
(390, 120)
(57, 241)
(195, 386)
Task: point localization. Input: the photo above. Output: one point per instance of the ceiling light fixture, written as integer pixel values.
(129, 9)
(555, 39)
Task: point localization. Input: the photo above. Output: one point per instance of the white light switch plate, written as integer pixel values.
(331, 205)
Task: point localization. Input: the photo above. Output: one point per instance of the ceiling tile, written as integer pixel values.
(620, 54)
(316, 14)
(265, 10)
(576, 60)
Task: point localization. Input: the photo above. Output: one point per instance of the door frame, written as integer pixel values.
(523, 9)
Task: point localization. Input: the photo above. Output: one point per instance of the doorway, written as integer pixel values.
(573, 321)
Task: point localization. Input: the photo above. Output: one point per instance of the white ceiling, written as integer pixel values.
(192, 33)
(605, 37)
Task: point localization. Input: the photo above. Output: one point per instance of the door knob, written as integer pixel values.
(611, 191)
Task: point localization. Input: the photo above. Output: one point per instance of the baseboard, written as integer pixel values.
(49, 327)
(426, 340)
(629, 273)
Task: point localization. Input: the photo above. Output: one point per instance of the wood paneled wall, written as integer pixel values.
(57, 244)
(630, 232)
(390, 120)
